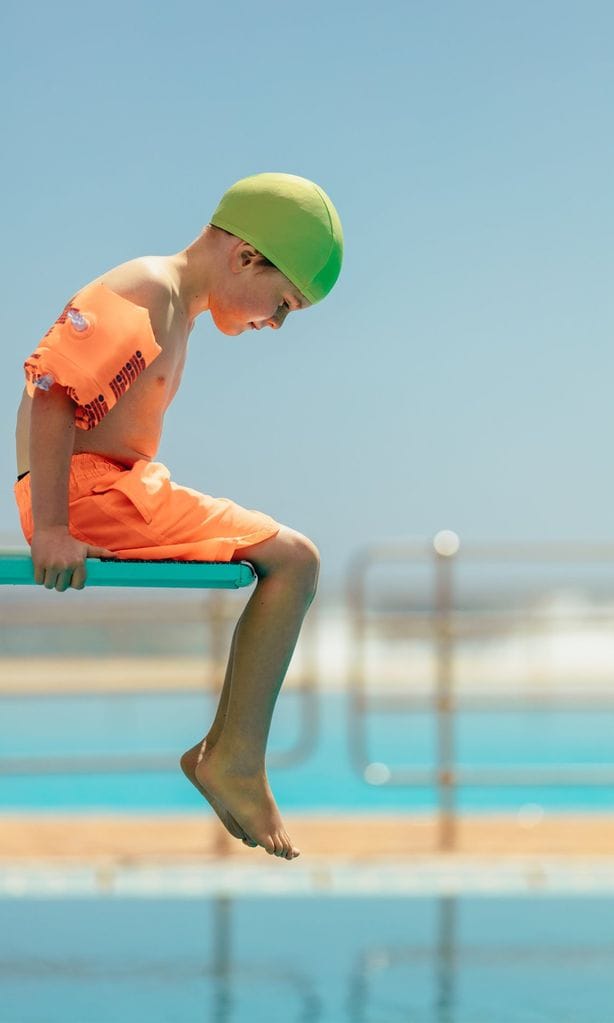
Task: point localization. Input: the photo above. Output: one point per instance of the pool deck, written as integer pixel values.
(189, 837)
(190, 857)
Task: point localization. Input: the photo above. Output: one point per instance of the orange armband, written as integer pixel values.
(96, 349)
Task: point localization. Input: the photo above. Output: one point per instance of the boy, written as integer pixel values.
(89, 426)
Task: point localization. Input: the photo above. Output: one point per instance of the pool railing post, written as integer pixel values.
(444, 650)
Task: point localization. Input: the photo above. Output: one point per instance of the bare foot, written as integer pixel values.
(188, 763)
(250, 801)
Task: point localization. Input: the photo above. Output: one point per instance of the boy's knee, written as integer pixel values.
(301, 555)
(288, 551)
(308, 558)
(306, 551)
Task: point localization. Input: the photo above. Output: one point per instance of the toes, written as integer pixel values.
(275, 845)
(288, 848)
(279, 846)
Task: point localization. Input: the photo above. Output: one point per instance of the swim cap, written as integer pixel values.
(292, 222)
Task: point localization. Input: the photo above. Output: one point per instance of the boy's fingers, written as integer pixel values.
(49, 578)
(57, 578)
(99, 552)
(63, 580)
(78, 577)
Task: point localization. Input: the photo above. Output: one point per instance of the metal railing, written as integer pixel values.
(444, 624)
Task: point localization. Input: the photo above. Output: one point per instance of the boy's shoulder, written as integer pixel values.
(147, 282)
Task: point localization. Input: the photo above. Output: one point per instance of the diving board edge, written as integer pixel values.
(16, 569)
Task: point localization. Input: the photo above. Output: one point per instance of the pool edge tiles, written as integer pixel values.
(440, 875)
(132, 838)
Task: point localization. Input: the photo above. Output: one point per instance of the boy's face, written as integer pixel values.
(252, 295)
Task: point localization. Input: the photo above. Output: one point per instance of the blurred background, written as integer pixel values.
(442, 749)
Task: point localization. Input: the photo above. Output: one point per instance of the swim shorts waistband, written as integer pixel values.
(90, 464)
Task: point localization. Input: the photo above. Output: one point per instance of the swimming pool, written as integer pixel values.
(164, 724)
(222, 959)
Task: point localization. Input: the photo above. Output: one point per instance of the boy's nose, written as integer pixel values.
(277, 321)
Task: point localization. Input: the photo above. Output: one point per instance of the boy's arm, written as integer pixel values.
(58, 558)
(96, 349)
(52, 440)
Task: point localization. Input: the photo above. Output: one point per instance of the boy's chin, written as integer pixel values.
(230, 329)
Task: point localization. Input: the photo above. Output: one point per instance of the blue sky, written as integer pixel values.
(460, 374)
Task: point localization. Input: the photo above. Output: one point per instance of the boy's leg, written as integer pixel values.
(192, 757)
(217, 726)
(233, 772)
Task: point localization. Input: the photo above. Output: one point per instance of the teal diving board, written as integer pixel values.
(16, 569)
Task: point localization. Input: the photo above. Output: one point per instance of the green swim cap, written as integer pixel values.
(292, 222)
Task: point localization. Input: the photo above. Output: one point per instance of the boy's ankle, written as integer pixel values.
(238, 762)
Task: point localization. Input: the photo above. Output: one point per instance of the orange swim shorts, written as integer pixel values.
(139, 512)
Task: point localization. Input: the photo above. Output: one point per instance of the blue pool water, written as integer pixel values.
(325, 780)
(342, 960)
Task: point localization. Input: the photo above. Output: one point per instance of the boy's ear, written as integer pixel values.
(242, 256)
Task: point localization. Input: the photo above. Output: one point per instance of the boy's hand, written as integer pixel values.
(59, 559)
